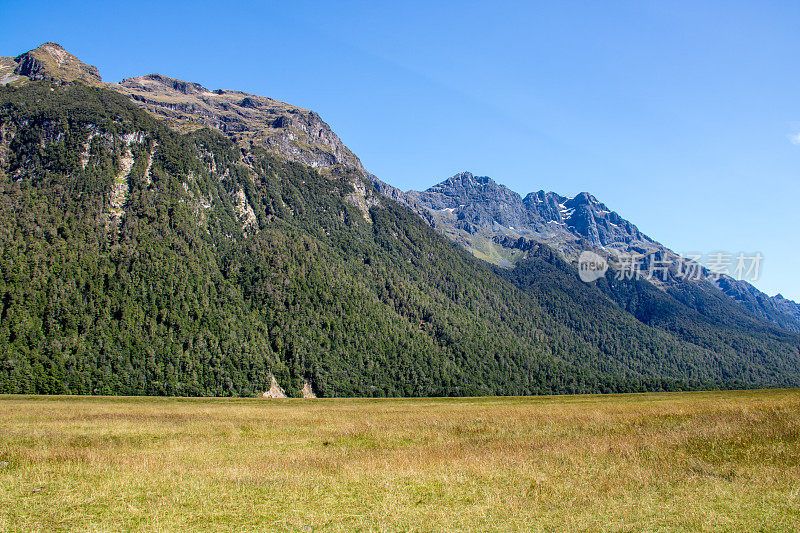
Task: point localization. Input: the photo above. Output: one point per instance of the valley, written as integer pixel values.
(704, 461)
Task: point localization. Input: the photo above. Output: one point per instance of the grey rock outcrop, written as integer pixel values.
(496, 224)
(298, 134)
(478, 205)
(51, 62)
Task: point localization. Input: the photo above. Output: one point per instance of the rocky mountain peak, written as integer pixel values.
(464, 181)
(583, 198)
(491, 221)
(51, 61)
(465, 190)
(462, 176)
(295, 133)
(467, 178)
(486, 216)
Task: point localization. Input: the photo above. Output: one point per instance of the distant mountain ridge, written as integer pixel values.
(494, 222)
(477, 204)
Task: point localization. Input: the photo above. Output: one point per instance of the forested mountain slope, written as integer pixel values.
(695, 313)
(138, 260)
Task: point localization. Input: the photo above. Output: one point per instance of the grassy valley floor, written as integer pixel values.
(678, 461)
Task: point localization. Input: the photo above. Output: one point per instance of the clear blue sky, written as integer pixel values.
(678, 115)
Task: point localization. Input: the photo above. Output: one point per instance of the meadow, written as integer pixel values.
(700, 461)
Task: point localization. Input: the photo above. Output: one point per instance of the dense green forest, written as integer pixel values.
(188, 294)
(746, 350)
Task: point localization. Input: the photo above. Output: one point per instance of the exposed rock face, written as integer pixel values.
(307, 391)
(247, 216)
(51, 62)
(547, 204)
(275, 390)
(493, 213)
(478, 202)
(393, 193)
(119, 193)
(788, 307)
(7, 76)
(496, 224)
(296, 133)
(7, 132)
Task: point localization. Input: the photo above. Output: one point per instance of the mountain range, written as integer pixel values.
(494, 223)
(158, 237)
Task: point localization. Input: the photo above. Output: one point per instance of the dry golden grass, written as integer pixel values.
(692, 461)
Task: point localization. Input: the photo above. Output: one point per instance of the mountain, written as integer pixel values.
(477, 206)
(490, 215)
(498, 225)
(788, 307)
(48, 62)
(247, 118)
(160, 238)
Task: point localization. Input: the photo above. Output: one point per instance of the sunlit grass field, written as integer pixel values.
(682, 461)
